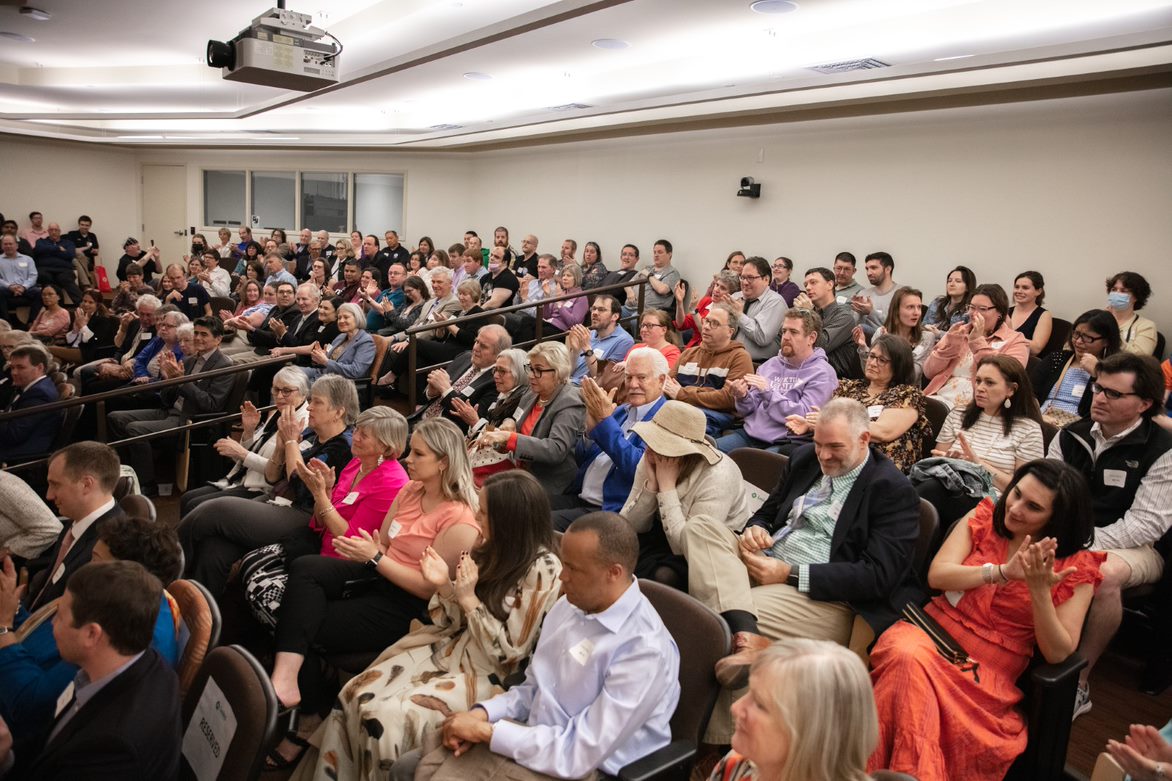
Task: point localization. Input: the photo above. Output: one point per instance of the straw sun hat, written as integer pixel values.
(677, 430)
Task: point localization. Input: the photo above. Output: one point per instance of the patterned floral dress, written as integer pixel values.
(907, 449)
(935, 722)
(436, 670)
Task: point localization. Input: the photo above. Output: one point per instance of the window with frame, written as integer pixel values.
(223, 198)
(325, 201)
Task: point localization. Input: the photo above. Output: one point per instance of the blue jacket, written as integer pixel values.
(624, 452)
(354, 362)
(147, 353)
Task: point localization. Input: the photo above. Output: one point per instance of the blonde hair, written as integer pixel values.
(822, 693)
(557, 355)
(444, 439)
(387, 426)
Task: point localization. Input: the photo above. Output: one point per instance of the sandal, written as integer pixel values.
(275, 761)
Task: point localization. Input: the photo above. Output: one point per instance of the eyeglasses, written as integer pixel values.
(499, 370)
(537, 370)
(1080, 336)
(981, 309)
(284, 391)
(652, 325)
(879, 359)
(750, 278)
(1110, 393)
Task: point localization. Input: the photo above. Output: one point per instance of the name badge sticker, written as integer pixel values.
(1078, 390)
(350, 498)
(874, 411)
(192, 301)
(580, 653)
(305, 445)
(394, 529)
(1116, 478)
(64, 700)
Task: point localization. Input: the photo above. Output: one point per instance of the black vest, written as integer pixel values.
(1126, 462)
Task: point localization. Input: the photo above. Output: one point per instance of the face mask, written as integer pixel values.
(1117, 300)
(494, 267)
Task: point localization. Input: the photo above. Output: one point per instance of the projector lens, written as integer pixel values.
(221, 55)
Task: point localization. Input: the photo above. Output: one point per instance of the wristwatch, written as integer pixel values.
(375, 559)
(792, 579)
(5, 630)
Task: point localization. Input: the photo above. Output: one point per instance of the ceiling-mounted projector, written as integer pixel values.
(279, 49)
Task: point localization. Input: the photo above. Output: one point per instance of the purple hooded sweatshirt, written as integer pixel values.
(792, 390)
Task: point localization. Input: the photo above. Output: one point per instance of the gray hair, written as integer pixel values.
(557, 355)
(179, 317)
(657, 359)
(148, 301)
(292, 376)
(314, 290)
(355, 312)
(17, 338)
(849, 410)
(184, 331)
(730, 280)
(441, 271)
(471, 287)
(339, 393)
(387, 426)
(516, 358)
(503, 340)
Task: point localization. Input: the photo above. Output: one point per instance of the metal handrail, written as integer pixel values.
(130, 390)
(171, 432)
(413, 359)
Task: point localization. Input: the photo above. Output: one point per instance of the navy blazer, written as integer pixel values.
(481, 389)
(33, 434)
(871, 551)
(40, 590)
(624, 453)
(130, 729)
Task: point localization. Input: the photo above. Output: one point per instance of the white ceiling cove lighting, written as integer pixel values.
(683, 61)
(774, 6)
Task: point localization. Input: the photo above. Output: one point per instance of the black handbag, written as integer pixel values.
(945, 643)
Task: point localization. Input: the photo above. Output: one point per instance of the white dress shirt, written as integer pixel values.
(599, 693)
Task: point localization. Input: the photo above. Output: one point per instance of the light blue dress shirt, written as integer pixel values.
(599, 693)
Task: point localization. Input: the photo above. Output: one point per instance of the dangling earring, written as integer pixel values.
(1007, 401)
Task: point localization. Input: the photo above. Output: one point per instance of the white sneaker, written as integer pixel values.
(1082, 701)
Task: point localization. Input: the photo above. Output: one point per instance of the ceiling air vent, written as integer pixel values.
(446, 127)
(869, 63)
(569, 107)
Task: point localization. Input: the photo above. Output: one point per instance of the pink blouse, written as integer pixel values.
(371, 501)
(51, 325)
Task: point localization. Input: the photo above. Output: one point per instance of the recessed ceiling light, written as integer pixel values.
(17, 37)
(609, 43)
(477, 76)
(774, 6)
(35, 13)
(953, 57)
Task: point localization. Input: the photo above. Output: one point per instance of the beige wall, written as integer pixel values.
(66, 180)
(1074, 188)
